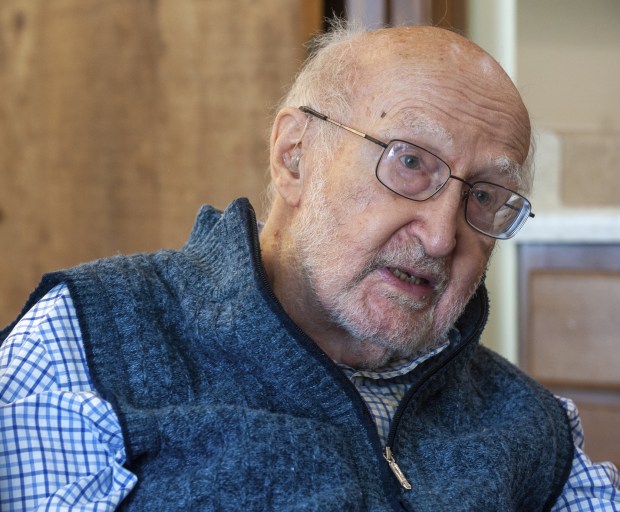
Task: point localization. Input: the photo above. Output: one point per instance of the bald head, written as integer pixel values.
(428, 51)
(347, 68)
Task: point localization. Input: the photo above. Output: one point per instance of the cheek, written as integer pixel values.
(468, 265)
(363, 221)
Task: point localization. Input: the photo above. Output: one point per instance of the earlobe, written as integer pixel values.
(286, 154)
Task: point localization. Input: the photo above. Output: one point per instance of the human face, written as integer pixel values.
(393, 321)
(390, 275)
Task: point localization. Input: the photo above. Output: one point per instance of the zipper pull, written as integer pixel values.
(400, 476)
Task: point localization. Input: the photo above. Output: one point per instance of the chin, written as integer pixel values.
(383, 338)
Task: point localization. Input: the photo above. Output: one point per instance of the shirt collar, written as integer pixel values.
(394, 369)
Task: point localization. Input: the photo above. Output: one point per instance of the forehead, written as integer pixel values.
(417, 124)
(435, 82)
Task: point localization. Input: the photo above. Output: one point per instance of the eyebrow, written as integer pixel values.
(508, 167)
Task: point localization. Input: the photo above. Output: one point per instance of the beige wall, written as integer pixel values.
(568, 63)
(568, 69)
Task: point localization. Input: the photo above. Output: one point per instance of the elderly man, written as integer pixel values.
(328, 359)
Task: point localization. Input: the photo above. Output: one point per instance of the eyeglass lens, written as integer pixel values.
(417, 174)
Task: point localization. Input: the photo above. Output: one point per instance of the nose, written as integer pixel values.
(442, 218)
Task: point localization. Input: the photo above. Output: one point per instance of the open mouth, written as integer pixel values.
(408, 278)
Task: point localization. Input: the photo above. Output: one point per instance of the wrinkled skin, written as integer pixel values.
(336, 240)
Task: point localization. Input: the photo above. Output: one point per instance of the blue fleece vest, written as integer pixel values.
(225, 404)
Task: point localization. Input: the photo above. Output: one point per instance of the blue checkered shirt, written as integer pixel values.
(61, 445)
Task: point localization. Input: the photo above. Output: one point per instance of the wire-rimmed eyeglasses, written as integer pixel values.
(417, 174)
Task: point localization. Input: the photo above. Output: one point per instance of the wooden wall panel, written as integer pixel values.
(568, 303)
(573, 327)
(119, 118)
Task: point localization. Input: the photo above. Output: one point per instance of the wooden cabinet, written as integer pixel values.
(570, 332)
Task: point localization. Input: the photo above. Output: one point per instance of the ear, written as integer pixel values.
(287, 172)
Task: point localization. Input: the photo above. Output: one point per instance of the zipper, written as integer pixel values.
(398, 473)
(388, 454)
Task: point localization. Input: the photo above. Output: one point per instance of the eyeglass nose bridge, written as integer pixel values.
(464, 196)
(464, 193)
(469, 185)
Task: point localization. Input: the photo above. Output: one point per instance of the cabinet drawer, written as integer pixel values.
(573, 329)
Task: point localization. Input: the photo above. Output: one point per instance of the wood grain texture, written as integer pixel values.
(118, 118)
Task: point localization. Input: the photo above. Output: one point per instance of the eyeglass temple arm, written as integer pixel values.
(314, 113)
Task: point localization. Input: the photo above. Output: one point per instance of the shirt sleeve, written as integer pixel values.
(591, 487)
(61, 445)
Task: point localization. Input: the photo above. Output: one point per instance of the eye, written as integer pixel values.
(410, 161)
(483, 197)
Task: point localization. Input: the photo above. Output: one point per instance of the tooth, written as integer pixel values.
(406, 277)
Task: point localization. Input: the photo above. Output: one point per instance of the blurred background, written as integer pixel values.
(119, 118)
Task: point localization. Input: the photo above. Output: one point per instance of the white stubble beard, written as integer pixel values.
(313, 237)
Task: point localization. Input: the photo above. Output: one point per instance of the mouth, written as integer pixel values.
(408, 278)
